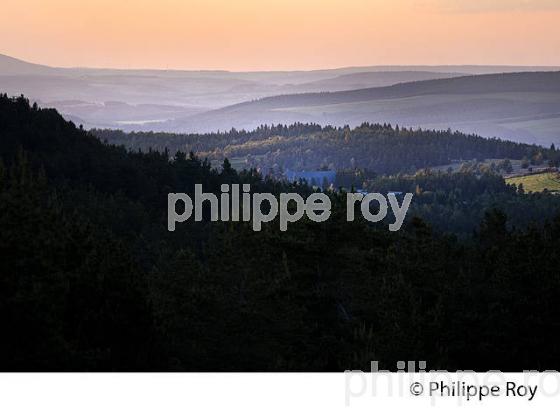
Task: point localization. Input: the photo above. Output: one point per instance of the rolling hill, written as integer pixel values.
(200, 101)
(519, 106)
(369, 79)
(14, 66)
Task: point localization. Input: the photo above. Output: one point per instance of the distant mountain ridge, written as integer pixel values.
(518, 106)
(7, 61)
(486, 83)
(522, 105)
(13, 66)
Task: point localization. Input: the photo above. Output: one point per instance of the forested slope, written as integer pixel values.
(379, 148)
(90, 278)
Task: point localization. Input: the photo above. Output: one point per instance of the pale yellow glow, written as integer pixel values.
(279, 34)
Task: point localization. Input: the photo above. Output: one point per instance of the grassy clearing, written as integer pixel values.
(538, 182)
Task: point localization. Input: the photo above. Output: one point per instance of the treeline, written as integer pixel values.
(90, 278)
(379, 148)
(162, 141)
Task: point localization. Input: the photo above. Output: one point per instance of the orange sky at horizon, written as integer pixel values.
(276, 35)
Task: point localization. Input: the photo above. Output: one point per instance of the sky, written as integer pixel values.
(280, 34)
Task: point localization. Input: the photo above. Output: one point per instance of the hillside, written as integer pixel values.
(14, 66)
(518, 106)
(207, 100)
(92, 280)
(375, 147)
(365, 79)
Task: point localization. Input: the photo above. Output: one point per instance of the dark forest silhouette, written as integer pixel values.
(90, 278)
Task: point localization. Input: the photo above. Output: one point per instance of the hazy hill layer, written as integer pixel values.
(518, 106)
(368, 79)
(14, 66)
(185, 101)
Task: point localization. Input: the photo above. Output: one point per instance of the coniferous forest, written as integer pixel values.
(379, 148)
(91, 279)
